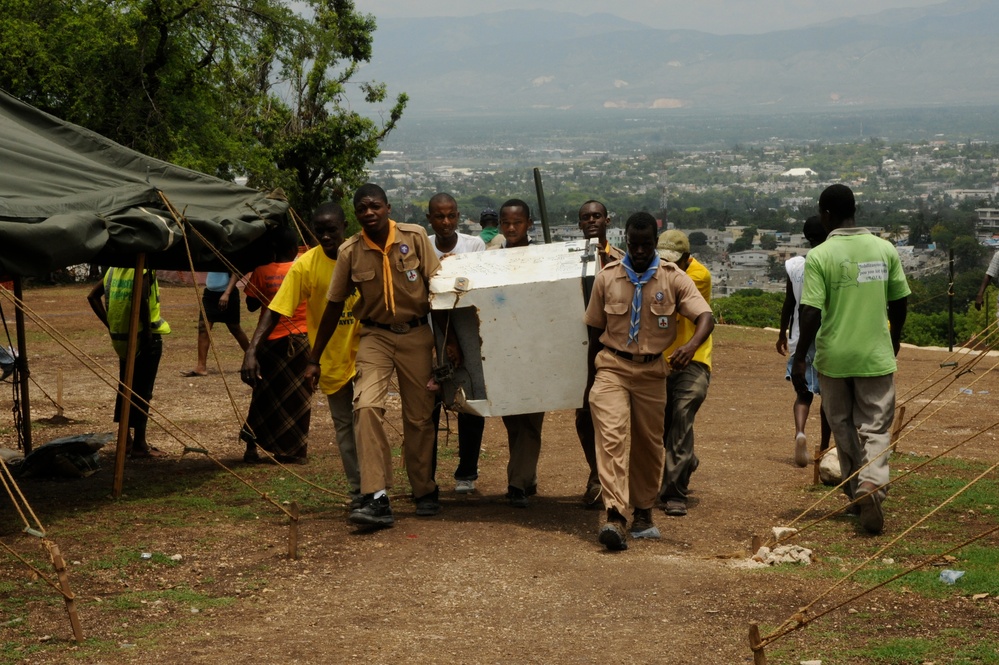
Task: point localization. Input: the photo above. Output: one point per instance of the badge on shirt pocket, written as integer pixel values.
(663, 322)
(412, 275)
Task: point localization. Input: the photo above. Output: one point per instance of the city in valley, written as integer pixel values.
(742, 204)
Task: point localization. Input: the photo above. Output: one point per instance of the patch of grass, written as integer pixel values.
(123, 558)
(905, 650)
(188, 596)
(120, 559)
(963, 649)
(15, 654)
(91, 647)
(914, 496)
(183, 596)
(124, 602)
(147, 629)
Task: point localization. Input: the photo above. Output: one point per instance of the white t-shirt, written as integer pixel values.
(795, 267)
(466, 243)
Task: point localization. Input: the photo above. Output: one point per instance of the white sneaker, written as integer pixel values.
(801, 449)
(464, 486)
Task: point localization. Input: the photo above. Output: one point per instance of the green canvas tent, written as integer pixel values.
(70, 196)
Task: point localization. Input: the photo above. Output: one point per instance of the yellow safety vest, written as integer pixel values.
(118, 284)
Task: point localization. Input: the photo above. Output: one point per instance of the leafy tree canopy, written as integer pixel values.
(227, 87)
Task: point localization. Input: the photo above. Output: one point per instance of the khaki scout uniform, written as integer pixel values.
(403, 342)
(630, 380)
(584, 421)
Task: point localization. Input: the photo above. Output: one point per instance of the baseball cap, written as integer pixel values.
(488, 216)
(672, 245)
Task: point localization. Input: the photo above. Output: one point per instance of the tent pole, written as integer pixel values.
(126, 388)
(22, 365)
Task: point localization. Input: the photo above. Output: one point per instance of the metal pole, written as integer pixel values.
(542, 207)
(950, 305)
(22, 365)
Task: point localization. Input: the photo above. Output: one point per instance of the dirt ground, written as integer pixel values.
(481, 582)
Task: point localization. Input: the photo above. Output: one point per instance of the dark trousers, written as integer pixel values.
(685, 392)
(587, 441)
(470, 429)
(147, 364)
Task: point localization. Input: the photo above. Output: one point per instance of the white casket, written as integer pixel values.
(518, 314)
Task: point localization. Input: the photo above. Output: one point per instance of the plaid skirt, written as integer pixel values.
(281, 406)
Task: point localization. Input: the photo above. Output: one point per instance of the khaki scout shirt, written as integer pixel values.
(613, 254)
(668, 293)
(413, 264)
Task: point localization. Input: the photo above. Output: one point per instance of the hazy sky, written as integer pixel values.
(715, 16)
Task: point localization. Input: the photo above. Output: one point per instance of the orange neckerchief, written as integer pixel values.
(386, 264)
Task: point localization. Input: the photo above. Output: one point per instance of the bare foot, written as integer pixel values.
(193, 372)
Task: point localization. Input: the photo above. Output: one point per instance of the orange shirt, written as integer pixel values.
(263, 285)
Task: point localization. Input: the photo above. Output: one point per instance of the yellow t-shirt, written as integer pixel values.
(309, 280)
(685, 327)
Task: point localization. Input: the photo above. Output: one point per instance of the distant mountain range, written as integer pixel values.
(942, 55)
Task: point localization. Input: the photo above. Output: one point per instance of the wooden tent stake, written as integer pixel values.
(897, 427)
(759, 654)
(293, 532)
(755, 545)
(126, 399)
(59, 408)
(815, 464)
(60, 567)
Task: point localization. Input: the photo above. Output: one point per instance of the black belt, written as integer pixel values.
(397, 328)
(634, 358)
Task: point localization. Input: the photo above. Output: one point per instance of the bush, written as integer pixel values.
(749, 307)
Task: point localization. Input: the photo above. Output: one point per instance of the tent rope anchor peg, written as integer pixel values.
(293, 531)
(59, 564)
(755, 644)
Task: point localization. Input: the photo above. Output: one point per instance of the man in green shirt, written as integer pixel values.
(853, 305)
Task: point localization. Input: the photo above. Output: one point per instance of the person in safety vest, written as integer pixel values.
(111, 300)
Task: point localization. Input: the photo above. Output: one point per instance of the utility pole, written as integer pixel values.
(664, 196)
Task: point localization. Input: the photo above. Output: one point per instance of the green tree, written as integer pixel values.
(698, 239)
(968, 253)
(776, 270)
(745, 241)
(228, 87)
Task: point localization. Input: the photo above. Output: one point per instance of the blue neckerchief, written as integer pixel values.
(636, 302)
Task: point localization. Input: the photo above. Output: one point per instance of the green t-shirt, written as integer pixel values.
(852, 277)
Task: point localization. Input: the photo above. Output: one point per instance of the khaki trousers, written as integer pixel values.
(860, 411)
(378, 354)
(626, 392)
